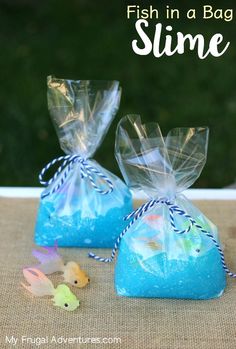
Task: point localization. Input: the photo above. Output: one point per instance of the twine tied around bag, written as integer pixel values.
(173, 209)
(86, 171)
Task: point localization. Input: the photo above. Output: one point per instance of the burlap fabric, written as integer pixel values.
(139, 323)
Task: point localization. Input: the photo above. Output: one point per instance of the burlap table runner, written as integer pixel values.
(137, 323)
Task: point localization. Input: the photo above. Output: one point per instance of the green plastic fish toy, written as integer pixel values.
(65, 299)
(41, 286)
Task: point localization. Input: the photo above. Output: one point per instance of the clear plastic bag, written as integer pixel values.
(83, 204)
(163, 253)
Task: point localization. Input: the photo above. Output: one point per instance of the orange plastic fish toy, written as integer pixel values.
(154, 221)
(51, 262)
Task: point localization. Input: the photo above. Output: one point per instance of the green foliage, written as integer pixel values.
(92, 40)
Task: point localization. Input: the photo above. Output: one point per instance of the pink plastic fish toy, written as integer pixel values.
(40, 285)
(52, 262)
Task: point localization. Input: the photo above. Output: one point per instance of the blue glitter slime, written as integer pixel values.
(152, 263)
(79, 216)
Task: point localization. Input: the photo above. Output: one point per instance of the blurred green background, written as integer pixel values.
(92, 40)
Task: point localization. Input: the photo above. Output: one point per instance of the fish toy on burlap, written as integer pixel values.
(51, 262)
(41, 286)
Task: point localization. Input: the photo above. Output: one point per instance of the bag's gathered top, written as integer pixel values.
(80, 129)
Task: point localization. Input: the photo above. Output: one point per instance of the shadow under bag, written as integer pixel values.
(83, 204)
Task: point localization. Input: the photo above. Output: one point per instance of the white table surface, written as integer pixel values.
(192, 194)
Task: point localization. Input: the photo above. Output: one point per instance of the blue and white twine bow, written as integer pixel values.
(173, 209)
(86, 170)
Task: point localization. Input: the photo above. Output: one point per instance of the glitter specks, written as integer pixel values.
(80, 229)
(198, 277)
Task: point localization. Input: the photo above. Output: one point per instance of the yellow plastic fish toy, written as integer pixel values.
(51, 262)
(41, 286)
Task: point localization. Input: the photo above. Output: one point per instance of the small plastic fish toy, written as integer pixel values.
(41, 286)
(51, 262)
(155, 221)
